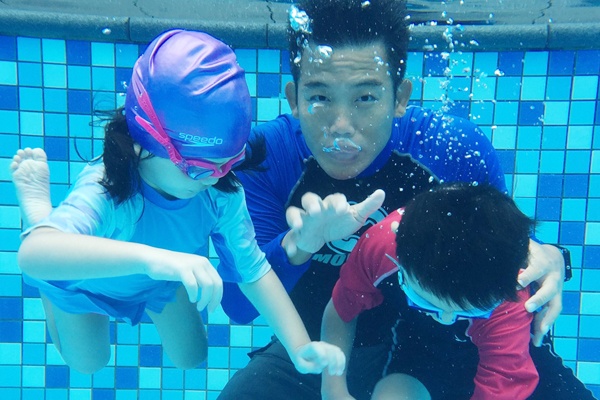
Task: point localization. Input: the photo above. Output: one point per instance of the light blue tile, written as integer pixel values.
(593, 212)
(240, 336)
(127, 356)
(247, 59)
(10, 353)
(590, 282)
(11, 285)
(573, 209)
(566, 348)
(589, 326)
(484, 88)
(268, 60)
(126, 55)
(79, 126)
(547, 231)
(10, 217)
(10, 376)
(103, 78)
(582, 112)
(556, 113)
(267, 109)
(526, 205)
(506, 113)
(127, 334)
(251, 81)
(150, 378)
(261, 335)
(595, 167)
(29, 49)
(554, 137)
(105, 378)
(80, 394)
(218, 357)
(432, 88)
(558, 88)
(590, 303)
(32, 123)
(552, 162)
(105, 101)
(579, 137)
(217, 378)
(535, 63)
(8, 73)
(79, 380)
(527, 161)
(148, 334)
(585, 87)
(504, 137)
(30, 99)
(525, 185)
(55, 124)
(461, 64)
(54, 51)
(80, 77)
(414, 65)
(34, 331)
(578, 162)
(195, 379)
(566, 326)
(589, 372)
(509, 88)
(529, 137)
(55, 100)
(55, 75)
(485, 63)
(592, 233)
(172, 378)
(533, 88)
(103, 54)
(460, 88)
(482, 113)
(30, 74)
(8, 263)
(34, 376)
(10, 121)
(32, 141)
(33, 309)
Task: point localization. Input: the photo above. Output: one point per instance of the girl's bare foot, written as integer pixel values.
(31, 177)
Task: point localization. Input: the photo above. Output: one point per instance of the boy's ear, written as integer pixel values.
(402, 97)
(291, 94)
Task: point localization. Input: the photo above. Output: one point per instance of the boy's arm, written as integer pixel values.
(336, 331)
(271, 300)
(505, 370)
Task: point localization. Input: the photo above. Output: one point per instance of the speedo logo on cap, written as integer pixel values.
(201, 140)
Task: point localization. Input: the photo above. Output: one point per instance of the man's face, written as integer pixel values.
(346, 103)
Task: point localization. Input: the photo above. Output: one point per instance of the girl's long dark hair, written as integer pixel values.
(122, 178)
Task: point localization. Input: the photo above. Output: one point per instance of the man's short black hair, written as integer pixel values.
(464, 243)
(353, 23)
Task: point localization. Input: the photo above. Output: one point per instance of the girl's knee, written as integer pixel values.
(189, 359)
(89, 363)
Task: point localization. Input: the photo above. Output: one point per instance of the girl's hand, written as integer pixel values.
(315, 357)
(200, 279)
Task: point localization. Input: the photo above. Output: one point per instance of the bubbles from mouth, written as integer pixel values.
(342, 144)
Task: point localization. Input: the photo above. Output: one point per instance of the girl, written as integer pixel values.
(132, 235)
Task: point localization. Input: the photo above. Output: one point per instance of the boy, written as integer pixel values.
(451, 257)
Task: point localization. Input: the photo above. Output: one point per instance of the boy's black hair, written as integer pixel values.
(353, 23)
(122, 178)
(464, 243)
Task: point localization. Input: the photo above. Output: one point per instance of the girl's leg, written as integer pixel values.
(83, 340)
(400, 387)
(31, 177)
(181, 331)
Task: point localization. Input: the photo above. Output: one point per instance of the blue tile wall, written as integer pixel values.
(539, 108)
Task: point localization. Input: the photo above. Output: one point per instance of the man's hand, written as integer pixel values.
(546, 267)
(319, 357)
(324, 220)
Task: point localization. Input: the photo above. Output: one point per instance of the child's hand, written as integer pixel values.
(200, 279)
(315, 357)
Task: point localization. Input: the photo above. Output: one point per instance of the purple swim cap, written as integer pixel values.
(198, 93)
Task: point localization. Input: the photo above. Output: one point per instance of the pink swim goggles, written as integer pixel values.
(195, 169)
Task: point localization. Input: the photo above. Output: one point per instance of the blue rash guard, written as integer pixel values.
(182, 225)
(447, 148)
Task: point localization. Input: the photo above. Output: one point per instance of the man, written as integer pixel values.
(350, 134)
